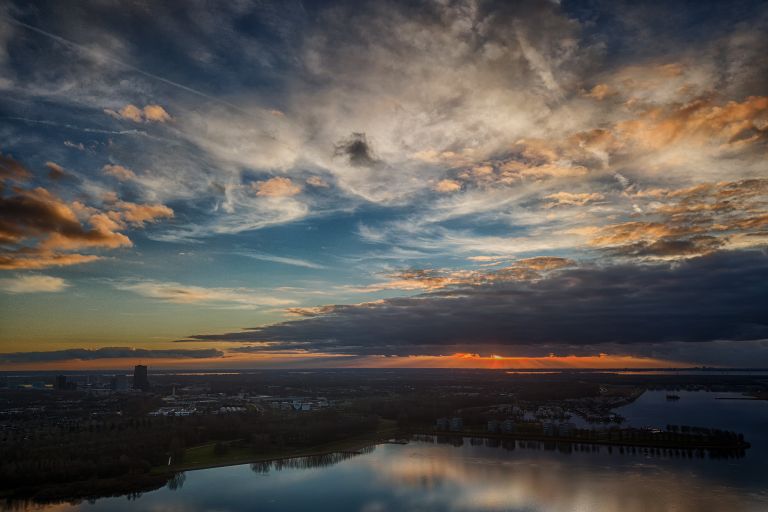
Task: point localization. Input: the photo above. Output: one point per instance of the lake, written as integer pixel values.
(476, 476)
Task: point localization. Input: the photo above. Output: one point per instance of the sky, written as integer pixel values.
(244, 184)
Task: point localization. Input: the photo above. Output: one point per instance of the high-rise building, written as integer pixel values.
(140, 379)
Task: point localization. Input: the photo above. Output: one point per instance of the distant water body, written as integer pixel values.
(430, 476)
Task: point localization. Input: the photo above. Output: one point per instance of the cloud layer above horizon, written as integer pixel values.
(387, 178)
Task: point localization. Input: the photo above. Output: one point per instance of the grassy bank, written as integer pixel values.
(205, 456)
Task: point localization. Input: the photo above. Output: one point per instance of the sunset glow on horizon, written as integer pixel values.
(305, 361)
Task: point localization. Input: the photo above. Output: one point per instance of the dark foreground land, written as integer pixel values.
(90, 442)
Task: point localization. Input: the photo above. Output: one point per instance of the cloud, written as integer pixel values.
(669, 247)
(690, 221)
(542, 132)
(700, 122)
(572, 311)
(296, 262)
(40, 229)
(12, 169)
(276, 187)
(33, 284)
(317, 181)
(35, 260)
(55, 171)
(78, 146)
(435, 279)
(138, 214)
(504, 108)
(156, 114)
(29, 213)
(229, 298)
(600, 92)
(119, 172)
(447, 186)
(148, 114)
(357, 150)
(536, 60)
(84, 354)
(572, 199)
(130, 112)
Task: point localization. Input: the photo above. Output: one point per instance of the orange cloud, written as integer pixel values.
(435, 279)
(11, 169)
(119, 172)
(572, 199)
(634, 231)
(35, 260)
(38, 229)
(513, 172)
(700, 122)
(447, 186)
(138, 214)
(156, 114)
(600, 92)
(148, 114)
(691, 221)
(55, 171)
(276, 187)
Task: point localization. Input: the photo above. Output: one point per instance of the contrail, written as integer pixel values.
(81, 128)
(104, 55)
(138, 133)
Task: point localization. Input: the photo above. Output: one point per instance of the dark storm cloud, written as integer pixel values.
(721, 296)
(84, 354)
(357, 150)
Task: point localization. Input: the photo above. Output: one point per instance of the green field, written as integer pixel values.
(204, 456)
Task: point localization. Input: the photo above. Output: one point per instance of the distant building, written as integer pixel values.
(442, 424)
(566, 429)
(493, 426)
(61, 382)
(550, 429)
(118, 383)
(457, 424)
(140, 378)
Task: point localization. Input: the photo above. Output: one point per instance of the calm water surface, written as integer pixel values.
(432, 476)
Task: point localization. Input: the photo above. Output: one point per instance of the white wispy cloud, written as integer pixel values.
(235, 298)
(296, 262)
(33, 283)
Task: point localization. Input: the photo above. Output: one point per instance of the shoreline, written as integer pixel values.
(351, 446)
(160, 476)
(607, 442)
